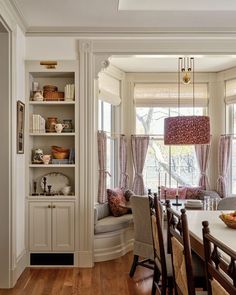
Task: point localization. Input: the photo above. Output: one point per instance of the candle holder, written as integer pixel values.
(159, 193)
(44, 187)
(176, 201)
(35, 189)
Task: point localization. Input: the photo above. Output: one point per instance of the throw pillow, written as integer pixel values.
(128, 194)
(171, 192)
(116, 198)
(192, 192)
(203, 193)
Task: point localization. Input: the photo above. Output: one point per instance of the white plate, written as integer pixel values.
(56, 180)
(193, 205)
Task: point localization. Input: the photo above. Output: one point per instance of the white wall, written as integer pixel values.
(20, 159)
(5, 169)
(51, 48)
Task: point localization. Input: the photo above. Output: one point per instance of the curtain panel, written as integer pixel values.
(139, 147)
(102, 155)
(202, 154)
(224, 152)
(123, 182)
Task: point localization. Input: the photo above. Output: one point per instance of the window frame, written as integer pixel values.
(113, 146)
(161, 137)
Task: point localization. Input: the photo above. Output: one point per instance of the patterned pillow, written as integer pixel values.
(128, 194)
(115, 199)
(171, 192)
(192, 192)
(203, 193)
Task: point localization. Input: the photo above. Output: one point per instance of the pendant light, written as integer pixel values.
(186, 130)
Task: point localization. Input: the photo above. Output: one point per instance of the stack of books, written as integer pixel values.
(70, 92)
(37, 124)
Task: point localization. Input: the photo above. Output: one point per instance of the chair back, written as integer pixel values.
(180, 251)
(228, 203)
(221, 273)
(143, 245)
(156, 214)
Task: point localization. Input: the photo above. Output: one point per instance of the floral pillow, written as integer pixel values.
(171, 192)
(116, 199)
(192, 192)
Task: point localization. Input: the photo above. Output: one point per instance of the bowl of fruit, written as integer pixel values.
(229, 219)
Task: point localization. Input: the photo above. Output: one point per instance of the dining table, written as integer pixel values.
(217, 227)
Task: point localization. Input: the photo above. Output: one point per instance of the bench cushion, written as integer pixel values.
(111, 223)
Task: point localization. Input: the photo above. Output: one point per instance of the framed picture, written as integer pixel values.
(20, 127)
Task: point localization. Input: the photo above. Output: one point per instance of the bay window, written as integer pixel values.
(154, 103)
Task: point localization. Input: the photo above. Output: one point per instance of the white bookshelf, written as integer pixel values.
(52, 134)
(65, 73)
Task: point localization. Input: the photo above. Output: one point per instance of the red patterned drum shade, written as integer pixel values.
(183, 130)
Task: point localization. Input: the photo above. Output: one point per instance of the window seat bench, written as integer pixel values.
(113, 236)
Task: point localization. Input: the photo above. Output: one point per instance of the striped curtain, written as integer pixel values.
(139, 146)
(224, 152)
(102, 156)
(123, 182)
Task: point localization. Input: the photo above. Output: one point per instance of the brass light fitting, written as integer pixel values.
(49, 64)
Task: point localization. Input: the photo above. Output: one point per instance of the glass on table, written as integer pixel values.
(206, 202)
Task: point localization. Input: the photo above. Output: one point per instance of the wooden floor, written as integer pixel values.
(106, 278)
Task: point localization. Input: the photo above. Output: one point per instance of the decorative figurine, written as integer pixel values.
(35, 189)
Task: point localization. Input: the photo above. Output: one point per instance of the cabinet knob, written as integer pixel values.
(53, 206)
(49, 206)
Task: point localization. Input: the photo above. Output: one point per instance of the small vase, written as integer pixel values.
(50, 125)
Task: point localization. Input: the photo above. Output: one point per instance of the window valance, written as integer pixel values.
(230, 91)
(166, 95)
(109, 89)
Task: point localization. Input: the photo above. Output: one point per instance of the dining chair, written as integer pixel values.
(221, 273)
(162, 260)
(228, 203)
(187, 274)
(143, 245)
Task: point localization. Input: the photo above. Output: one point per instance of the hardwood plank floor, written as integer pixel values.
(106, 278)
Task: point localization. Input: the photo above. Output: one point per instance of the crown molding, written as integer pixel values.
(17, 14)
(126, 32)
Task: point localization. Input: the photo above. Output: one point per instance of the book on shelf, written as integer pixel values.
(37, 124)
(70, 92)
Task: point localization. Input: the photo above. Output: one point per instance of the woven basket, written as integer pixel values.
(229, 223)
(50, 88)
(53, 95)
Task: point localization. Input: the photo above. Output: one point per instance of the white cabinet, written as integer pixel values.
(51, 226)
(63, 226)
(40, 224)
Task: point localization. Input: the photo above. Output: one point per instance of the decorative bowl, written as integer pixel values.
(60, 153)
(229, 223)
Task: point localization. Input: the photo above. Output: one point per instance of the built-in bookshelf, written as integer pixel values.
(47, 183)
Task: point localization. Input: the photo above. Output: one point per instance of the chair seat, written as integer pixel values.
(198, 265)
(111, 223)
(168, 265)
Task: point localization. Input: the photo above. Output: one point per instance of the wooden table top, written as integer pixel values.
(217, 228)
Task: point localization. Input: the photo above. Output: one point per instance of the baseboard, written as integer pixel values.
(85, 258)
(21, 264)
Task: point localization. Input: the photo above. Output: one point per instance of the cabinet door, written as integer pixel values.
(40, 226)
(63, 226)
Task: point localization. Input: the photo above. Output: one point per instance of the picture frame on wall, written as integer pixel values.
(20, 127)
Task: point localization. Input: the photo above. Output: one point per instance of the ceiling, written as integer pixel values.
(165, 63)
(58, 14)
(159, 5)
